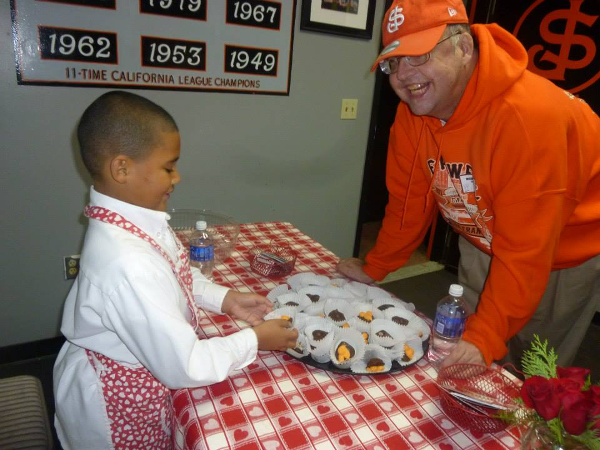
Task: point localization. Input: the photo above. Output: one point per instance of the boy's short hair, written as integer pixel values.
(120, 123)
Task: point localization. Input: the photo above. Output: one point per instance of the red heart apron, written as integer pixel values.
(139, 407)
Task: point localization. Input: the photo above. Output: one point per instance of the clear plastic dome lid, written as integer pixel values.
(456, 290)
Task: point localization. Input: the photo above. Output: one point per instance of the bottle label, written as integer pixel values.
(449, 327)
(202, 254)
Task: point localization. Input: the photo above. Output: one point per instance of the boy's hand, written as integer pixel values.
(246, 306)
(276, 334)
(353, 269)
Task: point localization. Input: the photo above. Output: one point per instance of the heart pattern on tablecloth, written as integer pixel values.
(414, 437)
(211, 424)
(352, 418)
(284, 421)
(382, 426)
(239, 434)
(314, 431)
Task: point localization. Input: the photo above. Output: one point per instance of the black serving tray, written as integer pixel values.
(330, 367)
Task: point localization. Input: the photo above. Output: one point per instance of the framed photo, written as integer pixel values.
(352, 18)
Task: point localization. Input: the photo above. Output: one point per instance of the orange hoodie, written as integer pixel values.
(516, 170)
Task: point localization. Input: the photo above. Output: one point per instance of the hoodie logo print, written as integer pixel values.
(395, 19)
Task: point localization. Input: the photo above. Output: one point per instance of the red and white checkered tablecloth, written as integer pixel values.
(278, 402)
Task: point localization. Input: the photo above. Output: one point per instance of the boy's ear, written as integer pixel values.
(120, 167)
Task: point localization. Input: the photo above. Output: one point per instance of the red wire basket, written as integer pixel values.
(490, 388)
(273, 260)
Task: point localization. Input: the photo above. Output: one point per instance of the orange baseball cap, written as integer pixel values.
(413, 27)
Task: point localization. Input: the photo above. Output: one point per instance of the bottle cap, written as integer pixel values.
(201, 225)
(456, 290)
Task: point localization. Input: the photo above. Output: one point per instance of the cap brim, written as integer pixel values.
(414, 44)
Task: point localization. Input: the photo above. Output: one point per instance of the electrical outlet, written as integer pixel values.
(71, 266)
(349, 108)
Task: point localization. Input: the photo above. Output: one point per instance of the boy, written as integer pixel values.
(130, 317)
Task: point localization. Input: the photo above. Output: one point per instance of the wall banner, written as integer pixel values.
(242, 46)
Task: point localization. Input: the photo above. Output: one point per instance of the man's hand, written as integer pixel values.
(248, 307)
(353, 268)
(464, 352)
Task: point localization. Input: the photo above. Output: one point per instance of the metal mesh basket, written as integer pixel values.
(487, 385)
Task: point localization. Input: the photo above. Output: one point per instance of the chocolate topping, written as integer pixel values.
(400, 320)
(319, 334)
(313, 297)
(384, 307)
(383, 334)
(337, 316)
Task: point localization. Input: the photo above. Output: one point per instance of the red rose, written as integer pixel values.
(565, 385)
(574, 373)
(594, 416)
(595, 394)
(575, 412)
(538, 393)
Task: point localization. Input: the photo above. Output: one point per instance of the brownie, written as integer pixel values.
(383, 334)
(319, 334)
(337, 316)
(384, 307)
(344, 351)
(313, 297)
(399, 320)
(291, 304)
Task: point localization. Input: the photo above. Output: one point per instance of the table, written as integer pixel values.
(278, 402)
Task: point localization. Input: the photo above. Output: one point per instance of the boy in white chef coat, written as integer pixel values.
(130, 318)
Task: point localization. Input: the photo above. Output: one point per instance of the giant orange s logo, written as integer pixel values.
(571, 45)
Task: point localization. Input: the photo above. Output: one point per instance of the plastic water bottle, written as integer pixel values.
(448, 325)
(202, 250)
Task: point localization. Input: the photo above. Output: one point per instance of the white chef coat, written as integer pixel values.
(126, 304)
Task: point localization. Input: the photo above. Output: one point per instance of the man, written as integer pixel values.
(512, 163)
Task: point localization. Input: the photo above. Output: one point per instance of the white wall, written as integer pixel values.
(254, 157)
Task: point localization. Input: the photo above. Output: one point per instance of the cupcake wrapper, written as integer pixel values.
(338, 282)
(357, 289)
(374, 292)
(402, 313)
(360, 324)
(321, 358)
(302, 343)
(279, 312)
(338, 292)
(372, 351)
(322, 345)
(351, 337)
(393, 329)
(342, 306)
(417, 346)
(301, 280)
(301, 300)
(277, 291)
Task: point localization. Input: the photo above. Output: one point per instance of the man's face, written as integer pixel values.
(153, 178)
(434, 88)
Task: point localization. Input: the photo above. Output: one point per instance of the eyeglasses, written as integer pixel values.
(390, 65)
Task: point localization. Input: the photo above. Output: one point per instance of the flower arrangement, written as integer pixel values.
(560, 400)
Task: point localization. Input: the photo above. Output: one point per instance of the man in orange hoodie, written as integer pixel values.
(512, 163)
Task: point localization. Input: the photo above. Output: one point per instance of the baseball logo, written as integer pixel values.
(395, 19)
